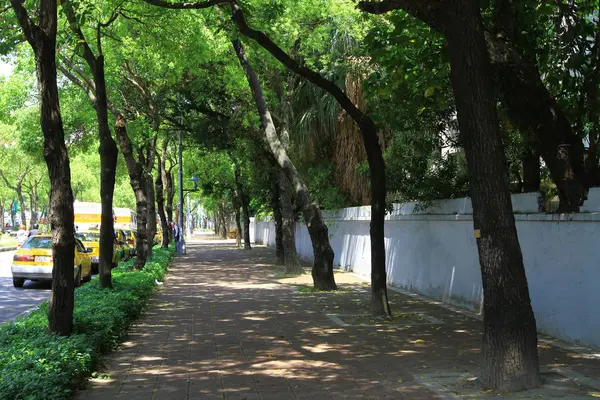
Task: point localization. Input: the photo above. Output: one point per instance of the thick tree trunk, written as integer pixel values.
(291, 261)
(277, 218)
(108, 164)
(42, 39)
(137, 181)
(322, 272)
(531, 170)
(509, 349)
(160, 204)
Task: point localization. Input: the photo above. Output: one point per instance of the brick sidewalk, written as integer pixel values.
(224, 327)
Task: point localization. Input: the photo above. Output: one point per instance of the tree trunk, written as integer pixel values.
(22, 203)
(530, 104)
(291, 261)
(2, 223)
(223, 223)
(108, 164)
(243, 200)
(509, 329)
(217, 221)
(160, 203)
(277, 217)
(42, 39)
(137, 181)
(535, 111)
(166, 190)
(322, 271)
(33, 217)
(531, 170)
(108, 148)
(151, 222)
(170, 189)
(373, 149)
(238, 222)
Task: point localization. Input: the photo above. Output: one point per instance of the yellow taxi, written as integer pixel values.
(91, 240)
(159, 236)
(33, 261)
(130, 238)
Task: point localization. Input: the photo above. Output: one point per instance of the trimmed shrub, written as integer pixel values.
(35, 365)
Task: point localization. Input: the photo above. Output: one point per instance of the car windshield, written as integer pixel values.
(88, 236)
(38, 242)
(127, 234)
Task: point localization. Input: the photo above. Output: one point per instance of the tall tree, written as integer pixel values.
(509, 348)
(42, 39)
(135, 167)
(108, 146)
(322, 272)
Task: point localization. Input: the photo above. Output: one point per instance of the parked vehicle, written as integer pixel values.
(91, 240)
(131, 239)
(121, 237)
(34, 261)
(158, 237)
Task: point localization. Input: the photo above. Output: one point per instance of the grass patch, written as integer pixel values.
(35, 365)
(7, 241)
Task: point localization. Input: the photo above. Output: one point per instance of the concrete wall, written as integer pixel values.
(433, 252)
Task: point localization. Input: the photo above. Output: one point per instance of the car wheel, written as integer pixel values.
(89, 277)
(77, 281)
(18, 282)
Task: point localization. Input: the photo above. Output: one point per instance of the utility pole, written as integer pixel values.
(180, 173)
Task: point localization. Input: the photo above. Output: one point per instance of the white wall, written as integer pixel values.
(433, 252)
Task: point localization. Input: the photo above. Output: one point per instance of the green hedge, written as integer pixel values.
(35, 365)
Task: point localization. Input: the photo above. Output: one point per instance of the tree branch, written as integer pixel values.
(6, 181)
(430, 12)
(29, 28)
(69, 63)
(89, 91)
(293, 65)
(88, 54)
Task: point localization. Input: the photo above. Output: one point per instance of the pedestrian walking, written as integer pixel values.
(22, 235)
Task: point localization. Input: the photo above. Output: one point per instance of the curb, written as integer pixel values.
(7, 248)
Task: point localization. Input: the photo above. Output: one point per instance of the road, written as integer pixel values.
(13, 301)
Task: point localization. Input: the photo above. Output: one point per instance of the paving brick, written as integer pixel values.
(223, 327)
